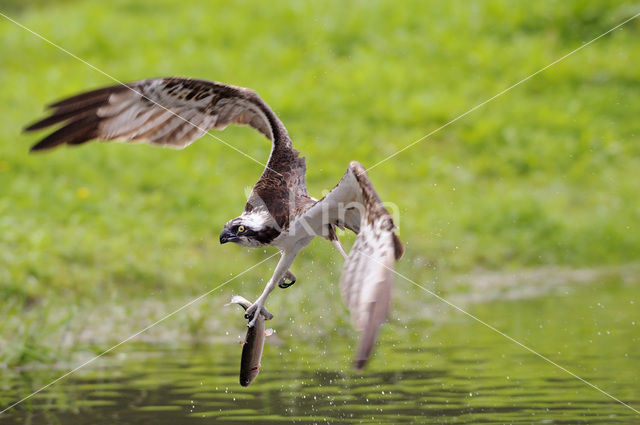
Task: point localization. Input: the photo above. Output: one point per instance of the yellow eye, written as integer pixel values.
(241, 229)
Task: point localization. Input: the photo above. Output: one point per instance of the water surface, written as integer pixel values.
(449, 371)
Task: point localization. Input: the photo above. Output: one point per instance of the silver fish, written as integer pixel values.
(253, 345)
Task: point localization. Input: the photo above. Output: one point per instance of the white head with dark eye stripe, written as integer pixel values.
(250, 230)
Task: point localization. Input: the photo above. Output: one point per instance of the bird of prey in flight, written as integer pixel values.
(174, 112)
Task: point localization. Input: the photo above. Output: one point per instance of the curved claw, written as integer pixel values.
(252, 316)
(284, 284)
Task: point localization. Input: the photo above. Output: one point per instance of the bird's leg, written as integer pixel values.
(281, 269)
(287, 276)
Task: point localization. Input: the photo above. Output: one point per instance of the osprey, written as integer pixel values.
(174, 112)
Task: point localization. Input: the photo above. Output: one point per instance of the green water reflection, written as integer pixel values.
(456, 371)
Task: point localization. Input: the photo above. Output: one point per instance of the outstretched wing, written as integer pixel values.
(367, 275)
(175, 112)
(164, 111)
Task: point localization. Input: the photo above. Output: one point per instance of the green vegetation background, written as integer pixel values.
(100, 240)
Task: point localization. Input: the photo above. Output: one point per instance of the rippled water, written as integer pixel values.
(455, 371)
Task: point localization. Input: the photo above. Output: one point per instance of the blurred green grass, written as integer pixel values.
(546, 175)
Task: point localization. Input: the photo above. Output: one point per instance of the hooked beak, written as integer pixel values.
(227, 236)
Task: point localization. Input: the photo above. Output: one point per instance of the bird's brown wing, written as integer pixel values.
(163, 111)
(367, 275)
(175, 112)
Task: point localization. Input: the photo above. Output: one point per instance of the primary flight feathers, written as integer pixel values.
(165, 111)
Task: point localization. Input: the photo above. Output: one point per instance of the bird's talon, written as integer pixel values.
(252, 316)
(283, 282)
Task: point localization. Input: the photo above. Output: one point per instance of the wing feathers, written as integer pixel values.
(75, 107)
(174, 112)
(153, 120)
(87, 97)
(74, 133)
(165, 111)
(64, 114)
(366, 283)
(376, 312)
(367, 275)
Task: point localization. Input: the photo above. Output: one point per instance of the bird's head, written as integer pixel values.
(246, 230)
(237, 231)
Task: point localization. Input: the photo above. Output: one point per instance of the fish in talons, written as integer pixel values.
(252, 346)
